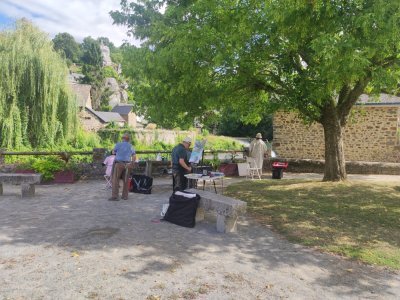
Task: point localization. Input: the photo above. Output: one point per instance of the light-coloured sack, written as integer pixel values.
(164, 209)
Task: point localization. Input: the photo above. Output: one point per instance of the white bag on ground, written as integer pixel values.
(164, 209)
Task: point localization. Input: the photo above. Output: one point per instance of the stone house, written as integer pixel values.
(125, 110)
(92, 120)
(82, 92)
(372, 133)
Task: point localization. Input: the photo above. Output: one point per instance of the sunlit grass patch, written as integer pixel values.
(354, 219)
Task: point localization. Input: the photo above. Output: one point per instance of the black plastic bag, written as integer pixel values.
(182, 209)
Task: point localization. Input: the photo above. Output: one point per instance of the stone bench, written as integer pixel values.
(27, 182)
(228, 209)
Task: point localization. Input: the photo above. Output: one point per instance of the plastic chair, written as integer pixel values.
(253, 169)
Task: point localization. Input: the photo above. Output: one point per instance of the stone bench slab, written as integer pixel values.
(27, 182)
(228, 209)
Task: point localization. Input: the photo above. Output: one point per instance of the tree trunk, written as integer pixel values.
(335, 168)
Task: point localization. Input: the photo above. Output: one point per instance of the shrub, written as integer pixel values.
(47, 166)
(110, 72)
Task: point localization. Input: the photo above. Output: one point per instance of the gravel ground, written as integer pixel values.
(69, 242)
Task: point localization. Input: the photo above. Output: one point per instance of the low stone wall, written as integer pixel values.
(97, 171)
(352, 167)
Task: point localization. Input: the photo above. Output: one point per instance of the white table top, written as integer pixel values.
(202, 177)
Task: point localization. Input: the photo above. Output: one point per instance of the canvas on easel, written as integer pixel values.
(197, 152)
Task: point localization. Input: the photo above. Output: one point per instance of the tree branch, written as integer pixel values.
(348, 97)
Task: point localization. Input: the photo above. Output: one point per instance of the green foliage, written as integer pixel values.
(112, 125)
(231, 124)
(315, 57)
(105, 98)
(66, 44)
(105, 41)
(47, 166)
(215, 162)
(109, 71)
(147, 100)
(36, 105)
(91, 52)
(111, 136)
(215, 142)
(116, 56)
(105, 107)
(205, 132)
(85, 140)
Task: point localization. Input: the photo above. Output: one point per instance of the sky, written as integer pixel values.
(80, 18)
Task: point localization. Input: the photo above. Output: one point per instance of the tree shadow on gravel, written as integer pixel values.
(79, 217)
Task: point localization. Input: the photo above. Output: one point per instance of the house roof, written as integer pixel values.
(381, 100)
(122, 109)
(105, 116)
(82, 92)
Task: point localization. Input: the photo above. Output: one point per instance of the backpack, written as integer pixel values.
(141, 184)
(182, 209)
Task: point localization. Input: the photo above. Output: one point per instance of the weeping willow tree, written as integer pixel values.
(37, 108)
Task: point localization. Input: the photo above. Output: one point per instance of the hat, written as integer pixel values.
(187, 140)
(258, 136)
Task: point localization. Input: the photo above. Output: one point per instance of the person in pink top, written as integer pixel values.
(108, 162)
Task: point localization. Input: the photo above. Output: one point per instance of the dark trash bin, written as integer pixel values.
(277, 173)
(277, 169)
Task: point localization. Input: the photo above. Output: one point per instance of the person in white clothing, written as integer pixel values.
(258, 149)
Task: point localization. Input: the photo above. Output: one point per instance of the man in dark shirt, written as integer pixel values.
(180, 164)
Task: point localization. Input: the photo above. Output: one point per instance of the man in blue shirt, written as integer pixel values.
(125, 157)
(180, 164)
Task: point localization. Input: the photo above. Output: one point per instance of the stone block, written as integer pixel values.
(199, 214)
(27, 190)
(228, 209)
(27, 182)
(226, 224)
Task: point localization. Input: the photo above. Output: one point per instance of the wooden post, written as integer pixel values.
(2, 156)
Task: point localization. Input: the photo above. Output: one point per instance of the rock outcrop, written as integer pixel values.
(105, 53)
(118, 93)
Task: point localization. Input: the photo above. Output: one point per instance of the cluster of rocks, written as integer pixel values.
(119, 94)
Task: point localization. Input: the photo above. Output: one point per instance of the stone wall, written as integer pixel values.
(370, 135)
(352, 167)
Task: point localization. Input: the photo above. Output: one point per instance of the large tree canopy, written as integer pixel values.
(315, 57)
(36, 108)
(66, 44)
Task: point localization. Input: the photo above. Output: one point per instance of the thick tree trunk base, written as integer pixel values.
(335, 168)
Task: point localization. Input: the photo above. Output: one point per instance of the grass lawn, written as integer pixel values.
(354, 219)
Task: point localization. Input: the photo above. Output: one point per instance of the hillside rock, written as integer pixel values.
(105, 53)
(119, 94)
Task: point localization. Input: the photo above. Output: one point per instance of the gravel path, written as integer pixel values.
(69, 242)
